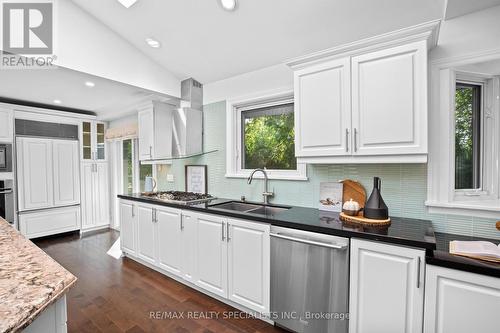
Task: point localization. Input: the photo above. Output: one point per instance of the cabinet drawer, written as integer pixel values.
(50, 222)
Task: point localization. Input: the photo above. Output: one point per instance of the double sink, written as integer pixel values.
(250, 208)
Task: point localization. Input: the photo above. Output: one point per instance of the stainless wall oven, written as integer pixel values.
(5, 157)
(7, 208)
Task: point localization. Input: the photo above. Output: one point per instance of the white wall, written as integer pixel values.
(86, 45)
(468, 34)
(266, 79)
(124, 121)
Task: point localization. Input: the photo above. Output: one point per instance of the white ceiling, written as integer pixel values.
(455, 8)
(109, 99)
(201, 40)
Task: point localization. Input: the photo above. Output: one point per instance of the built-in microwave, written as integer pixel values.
(5, 158)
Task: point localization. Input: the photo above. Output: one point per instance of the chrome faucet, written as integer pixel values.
(266, 194)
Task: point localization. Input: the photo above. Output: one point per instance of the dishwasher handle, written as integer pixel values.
(310, 242)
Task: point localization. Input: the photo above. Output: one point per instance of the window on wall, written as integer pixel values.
(468, 150)
(128, 166)
(145, 170)
(268, 138)
(261, 134)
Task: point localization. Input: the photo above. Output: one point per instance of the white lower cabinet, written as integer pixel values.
(386, 288)
(211, 254)
(146, 233)
(48, 222)
(128, 226)
(249, 264)
(169, 235)
(460, 302)
(226, 257)
(188, 246)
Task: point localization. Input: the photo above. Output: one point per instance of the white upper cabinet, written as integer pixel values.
(389, 101)
(6, 125)
(365, 102)
(155, 131)
(93, 141)
(386, 288)
(66, 173)
(460, 302)
(323, 109)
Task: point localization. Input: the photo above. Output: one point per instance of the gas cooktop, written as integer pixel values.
(179, 197)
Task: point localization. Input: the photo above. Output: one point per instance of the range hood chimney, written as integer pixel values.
(191, 94)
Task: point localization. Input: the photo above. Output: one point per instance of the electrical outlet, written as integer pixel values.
(170, 178)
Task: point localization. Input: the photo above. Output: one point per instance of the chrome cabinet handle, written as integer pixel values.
(355, 140)
(133, 211)
(227, 232)
(223, 226)
(310, 242)
(150, 151)
(418, 272)
(182, 223)
(347, 140)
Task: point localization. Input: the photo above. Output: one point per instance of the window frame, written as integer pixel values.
(464, 79)
(442, 197)
(234, 139)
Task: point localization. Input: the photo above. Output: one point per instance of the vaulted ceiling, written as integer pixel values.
(201, 40)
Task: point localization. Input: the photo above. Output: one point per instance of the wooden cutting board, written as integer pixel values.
(355, 191)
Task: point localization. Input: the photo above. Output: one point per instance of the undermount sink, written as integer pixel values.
(244, 207)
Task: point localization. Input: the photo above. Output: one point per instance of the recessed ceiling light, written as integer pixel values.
(127, 3)
(153, 43)
(57, 101)
(90, 84)
(228, 5)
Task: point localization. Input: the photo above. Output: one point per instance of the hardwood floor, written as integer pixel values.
(120, 295)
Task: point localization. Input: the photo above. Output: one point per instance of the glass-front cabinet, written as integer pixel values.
(93, 142)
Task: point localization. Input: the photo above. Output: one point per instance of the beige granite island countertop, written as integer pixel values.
(30, 280)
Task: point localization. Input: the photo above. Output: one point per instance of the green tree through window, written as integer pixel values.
(269, 138)
(467, 136)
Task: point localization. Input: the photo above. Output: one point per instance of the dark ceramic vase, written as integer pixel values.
(375, 207)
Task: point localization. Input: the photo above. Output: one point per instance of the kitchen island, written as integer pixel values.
(33, 286)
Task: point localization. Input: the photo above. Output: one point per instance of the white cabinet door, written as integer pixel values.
(49, 222)
(6, 125)
(146, 134)
(66, 173)
(127, 226)
(386, 288)
(460, 302)
(146, 233)
(101, 194)
(323, 109)
(87, 205)
(188, 246)
(211, 254)
(389, 101)
(169, 239)
(249, 264)
(35, 174)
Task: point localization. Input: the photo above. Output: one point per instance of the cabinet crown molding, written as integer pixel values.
(428, 31)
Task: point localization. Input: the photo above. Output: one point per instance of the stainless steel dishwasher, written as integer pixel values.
(309, 281)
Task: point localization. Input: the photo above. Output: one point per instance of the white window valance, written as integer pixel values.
(123, 132)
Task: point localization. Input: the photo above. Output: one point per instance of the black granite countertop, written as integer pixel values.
(402, 231)
(442, 257)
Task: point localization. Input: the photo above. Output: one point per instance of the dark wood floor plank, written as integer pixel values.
(119, 295)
